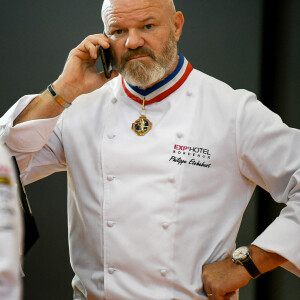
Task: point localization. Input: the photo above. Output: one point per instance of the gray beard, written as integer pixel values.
(144, 75)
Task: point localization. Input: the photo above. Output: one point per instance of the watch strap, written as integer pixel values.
(57, 98)
(251, 267)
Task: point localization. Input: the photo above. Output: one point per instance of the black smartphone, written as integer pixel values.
(105, 55)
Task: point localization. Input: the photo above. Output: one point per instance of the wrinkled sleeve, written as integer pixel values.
(36, 144)
(269, 155)
(10, 232)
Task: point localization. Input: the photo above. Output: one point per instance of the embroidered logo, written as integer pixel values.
(195, 156)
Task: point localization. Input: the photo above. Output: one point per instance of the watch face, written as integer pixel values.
(240, 253)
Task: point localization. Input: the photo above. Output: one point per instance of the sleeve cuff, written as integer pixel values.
(281, 237)
(29, 136)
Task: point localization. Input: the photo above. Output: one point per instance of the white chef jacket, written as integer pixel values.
(145, 213)
(10, 231)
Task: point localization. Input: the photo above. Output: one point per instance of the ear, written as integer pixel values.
(177, 21)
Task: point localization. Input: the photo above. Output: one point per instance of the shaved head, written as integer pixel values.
(169, 4)
(109, 5)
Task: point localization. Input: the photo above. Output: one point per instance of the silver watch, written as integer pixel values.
(242, 256)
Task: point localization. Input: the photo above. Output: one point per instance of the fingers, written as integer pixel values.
(223, 278)
(217, 293)
(216, 296)
(229, 295)
(90, 45)
(91, 48)
(100, 81)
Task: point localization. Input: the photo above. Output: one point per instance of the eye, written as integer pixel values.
(149, 26)
(119, 31)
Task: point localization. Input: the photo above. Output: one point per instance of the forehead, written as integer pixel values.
(126, 11)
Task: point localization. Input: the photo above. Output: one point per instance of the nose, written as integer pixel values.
(134, 39)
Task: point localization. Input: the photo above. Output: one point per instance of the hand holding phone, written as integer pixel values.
(80, 73)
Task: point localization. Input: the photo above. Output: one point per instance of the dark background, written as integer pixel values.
(249, 44)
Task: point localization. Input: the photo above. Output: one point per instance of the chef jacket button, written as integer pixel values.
(188, 93)
(111, 270)
(171, 179)
(179, 135)
(111, 136)
(110, 223)
(165, 225)
(110, 177)
(114, 100)
(163, 272)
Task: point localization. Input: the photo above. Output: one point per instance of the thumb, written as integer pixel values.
(103, 78)
(113, 74)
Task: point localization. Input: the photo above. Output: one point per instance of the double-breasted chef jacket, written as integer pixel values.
(10, 231)
(145, 213)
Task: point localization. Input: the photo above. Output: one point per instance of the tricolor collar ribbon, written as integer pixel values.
(163, 89)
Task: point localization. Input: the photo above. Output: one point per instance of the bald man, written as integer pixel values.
(151, 214)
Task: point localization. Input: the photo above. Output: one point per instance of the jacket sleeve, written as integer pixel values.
(269, 155)
(36, 144)
(10, 232)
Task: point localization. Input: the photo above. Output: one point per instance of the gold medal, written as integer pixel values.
(142, 125)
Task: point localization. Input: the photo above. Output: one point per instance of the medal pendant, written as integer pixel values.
(141, 126)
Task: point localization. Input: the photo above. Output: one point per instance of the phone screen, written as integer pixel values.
(105, 55)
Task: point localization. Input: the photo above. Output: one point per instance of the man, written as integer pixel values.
(151, 214)
(10, 231)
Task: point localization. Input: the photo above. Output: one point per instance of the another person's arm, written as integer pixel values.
(10, 232)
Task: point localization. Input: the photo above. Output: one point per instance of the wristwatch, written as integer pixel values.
(242, 256)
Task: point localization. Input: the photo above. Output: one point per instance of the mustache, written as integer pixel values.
(139, 51)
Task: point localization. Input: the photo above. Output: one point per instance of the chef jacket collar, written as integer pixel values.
(162, 89)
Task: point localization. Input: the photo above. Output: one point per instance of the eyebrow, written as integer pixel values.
(114, 25)
(148, 19)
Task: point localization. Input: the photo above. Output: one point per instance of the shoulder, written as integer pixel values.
(218, 96)
(214, 87)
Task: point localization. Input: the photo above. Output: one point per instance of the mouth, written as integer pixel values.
(138, 57)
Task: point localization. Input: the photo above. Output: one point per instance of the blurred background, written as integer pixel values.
(249, 44)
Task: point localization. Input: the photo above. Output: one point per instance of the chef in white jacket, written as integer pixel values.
(10, 231)
(162, 161)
